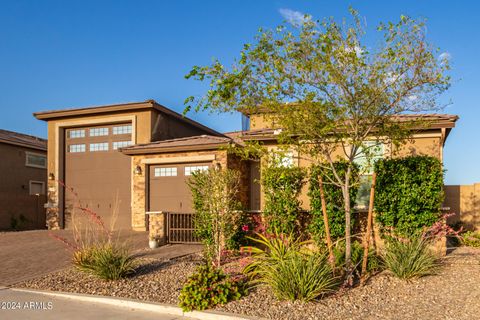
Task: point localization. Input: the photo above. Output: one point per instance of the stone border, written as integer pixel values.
(144, 306)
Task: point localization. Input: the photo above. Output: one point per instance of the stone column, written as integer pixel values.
(157, 226)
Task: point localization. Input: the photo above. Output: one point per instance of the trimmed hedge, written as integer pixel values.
(334, 201)
(282, 186)
(408, 193)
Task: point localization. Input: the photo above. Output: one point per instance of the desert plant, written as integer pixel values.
(410, 258)
(471, 239)
(301, 277)
(105, 261)
(289, 268)
(208, 287)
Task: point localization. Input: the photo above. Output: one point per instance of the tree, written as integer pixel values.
(324, 75)
(216, 204)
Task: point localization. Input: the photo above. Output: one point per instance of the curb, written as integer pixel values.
(135, 304)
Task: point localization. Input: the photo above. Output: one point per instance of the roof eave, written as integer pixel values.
(153, 150)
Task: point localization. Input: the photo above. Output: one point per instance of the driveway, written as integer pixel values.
(29, 254)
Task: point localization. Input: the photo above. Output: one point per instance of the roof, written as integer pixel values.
(122, 107)
(426, 121)
(202, 142)
(23, 140)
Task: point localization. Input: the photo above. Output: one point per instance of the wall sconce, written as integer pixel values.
(51, 176)
(138, 170)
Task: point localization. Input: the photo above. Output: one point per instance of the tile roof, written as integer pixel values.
(179, 144)
(23, 140)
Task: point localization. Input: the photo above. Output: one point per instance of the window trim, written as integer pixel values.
(30, 182)
(165, 176)
(29, 153)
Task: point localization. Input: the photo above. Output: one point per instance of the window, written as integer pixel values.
(165, 172)
(121, 144)
(103, 146)
(77, 133)
(192, 169)
(76, 148)
(127, 129)
(97, 132)
(36, 188)
(368, 155)
(36, 160)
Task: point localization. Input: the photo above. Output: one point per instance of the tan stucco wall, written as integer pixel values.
(464, 202)
(140, 185)
(142, 132)
(259, 121)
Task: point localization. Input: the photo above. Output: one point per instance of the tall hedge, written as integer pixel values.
(333, 199)
(408, 193)
(281, 187)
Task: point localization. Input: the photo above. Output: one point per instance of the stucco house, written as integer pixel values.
(142, 153)
(23, 180)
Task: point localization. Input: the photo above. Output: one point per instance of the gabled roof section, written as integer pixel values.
(23, 140)
(124, 107)
(202, 142)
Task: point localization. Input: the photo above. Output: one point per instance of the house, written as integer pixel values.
(23, 176)
(141, 154)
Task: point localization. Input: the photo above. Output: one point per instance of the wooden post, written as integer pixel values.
(369, 229)
(325, 222)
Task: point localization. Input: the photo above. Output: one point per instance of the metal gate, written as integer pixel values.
(180, 228)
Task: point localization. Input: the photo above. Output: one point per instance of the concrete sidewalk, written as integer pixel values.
(17, 305)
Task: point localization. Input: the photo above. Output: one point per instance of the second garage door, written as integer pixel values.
(169, 191)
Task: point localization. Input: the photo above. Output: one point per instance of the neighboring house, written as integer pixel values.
(159, 151)
(23, 180)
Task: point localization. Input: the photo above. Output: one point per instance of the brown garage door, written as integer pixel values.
(168, 187)
(99, 173)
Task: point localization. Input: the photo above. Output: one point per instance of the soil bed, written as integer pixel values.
(454, 293)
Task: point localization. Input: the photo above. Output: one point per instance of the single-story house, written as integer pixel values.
(135, 158)
(23, 176)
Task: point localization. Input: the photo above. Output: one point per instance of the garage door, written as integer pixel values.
(168, 187)
(99, 173)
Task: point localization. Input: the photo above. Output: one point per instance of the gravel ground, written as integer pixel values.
(452, 294)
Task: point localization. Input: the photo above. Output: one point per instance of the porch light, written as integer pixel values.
(138, 170)
(51, 176)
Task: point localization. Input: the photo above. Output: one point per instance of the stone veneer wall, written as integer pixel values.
(139, 190)
(156, 223)
(52, 212)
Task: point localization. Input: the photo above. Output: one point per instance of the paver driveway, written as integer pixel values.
(28, 254)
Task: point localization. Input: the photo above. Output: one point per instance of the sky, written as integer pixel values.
(64, 54)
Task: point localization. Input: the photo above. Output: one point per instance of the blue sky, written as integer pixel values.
(59, 54)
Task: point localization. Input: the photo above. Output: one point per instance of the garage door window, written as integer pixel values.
(121, 144)
(192, 169)
(97, 132)
(76, 148)
(165, 172)
(78, 133)
(99, 146)
(122, 129)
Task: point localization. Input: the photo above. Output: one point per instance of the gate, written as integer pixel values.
(180, 228)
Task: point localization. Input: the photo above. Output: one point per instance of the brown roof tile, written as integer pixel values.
(23, 140)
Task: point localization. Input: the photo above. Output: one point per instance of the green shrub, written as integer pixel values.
(333, 199)
(408, 193)
(471, 239)
(289, 269)
(282, 186)
(208, 287)
(410, 258)
(105, 261)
